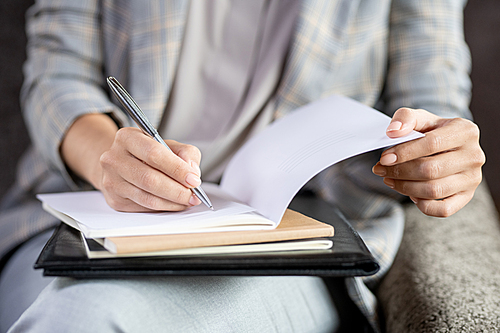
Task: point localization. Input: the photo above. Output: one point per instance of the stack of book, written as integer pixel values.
(108, 234)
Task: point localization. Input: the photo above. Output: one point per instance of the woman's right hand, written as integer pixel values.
(139, 174)
(133, 171)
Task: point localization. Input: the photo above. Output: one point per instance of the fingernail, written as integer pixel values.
(415, 201)
(194, 201)
(379, 170)
(388, 159)
(394, 126)
(193, 180)
(389, 182)
(195, 167)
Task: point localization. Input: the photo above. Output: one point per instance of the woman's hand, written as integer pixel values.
(133, 171)
(439, 172)
(139, 174)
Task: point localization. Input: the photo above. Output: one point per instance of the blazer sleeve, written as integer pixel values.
(429, 61)
(63, 73)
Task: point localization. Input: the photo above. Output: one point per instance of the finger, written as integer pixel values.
(151, 201)
(426, 168)
(133, 199)
(434, 189)
(405, 120)
(159, 157)
(118, 192)
(153, 181)
(125, 205)
(124, 196)
(455, 134)
(445, 207)
(122, 168)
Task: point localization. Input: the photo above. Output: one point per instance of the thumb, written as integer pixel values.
(405, 120)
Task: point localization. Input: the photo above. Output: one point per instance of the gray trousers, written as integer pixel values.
(159, 304)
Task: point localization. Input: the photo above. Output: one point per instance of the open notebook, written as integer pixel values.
(258, 183)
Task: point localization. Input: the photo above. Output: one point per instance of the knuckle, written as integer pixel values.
(482, 158)
(122, 134)
(178, 171)
(477, 177)
(425, 208)
(182, 196)
(478, 157)
(475, 131)
(395, 171)
(398, 172)
(434, 143)
(106, 159)
(192, 151)
(437, 209)
(113, 204)
(179, 196)
(177, 206)
(155, 155)
(150, 201)
(446, 210)
(430, 170)
(403, 155)
(458, 121)
(471, 128)
(148, 180)
(434, 191)
(107, 183)
(403, 187)
(404, 112)
(116, 204)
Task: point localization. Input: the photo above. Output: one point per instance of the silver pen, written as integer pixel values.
(139, 117)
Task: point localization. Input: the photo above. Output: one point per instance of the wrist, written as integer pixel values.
(84, 143)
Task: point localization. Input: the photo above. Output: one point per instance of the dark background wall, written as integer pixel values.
(482, 28)
(13, 136)
(482, 33)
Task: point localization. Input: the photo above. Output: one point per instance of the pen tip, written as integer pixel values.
(212, 208)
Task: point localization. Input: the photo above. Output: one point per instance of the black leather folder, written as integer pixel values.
(65, 255)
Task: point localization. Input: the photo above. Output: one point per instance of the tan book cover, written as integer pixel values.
(293, 226)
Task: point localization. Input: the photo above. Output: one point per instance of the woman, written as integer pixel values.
(212, 74)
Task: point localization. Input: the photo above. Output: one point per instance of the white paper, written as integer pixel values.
(272, 167)
(89, 212)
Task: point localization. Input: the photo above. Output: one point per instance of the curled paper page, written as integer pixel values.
(272, 167)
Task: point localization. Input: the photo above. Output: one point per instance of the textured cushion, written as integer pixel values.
(446, 276)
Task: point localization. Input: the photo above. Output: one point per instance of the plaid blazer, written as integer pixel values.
(383, 53)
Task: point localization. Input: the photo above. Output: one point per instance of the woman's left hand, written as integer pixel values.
(439, 172)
